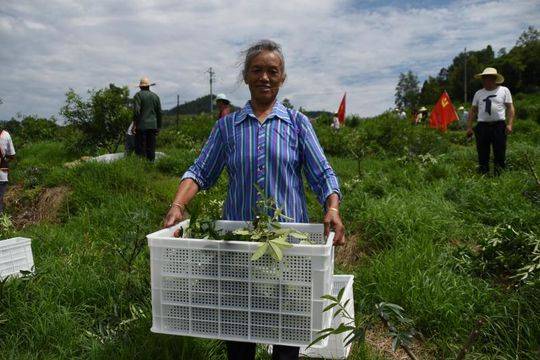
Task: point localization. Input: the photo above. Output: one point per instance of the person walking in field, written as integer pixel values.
(492, 106)
(463, 117)
(223, 104)
(146, 120)
(268, 146)
(7, 153)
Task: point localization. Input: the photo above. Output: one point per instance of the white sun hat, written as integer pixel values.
(491, 71)
(423, 108)
(461, 108)
(222, 97)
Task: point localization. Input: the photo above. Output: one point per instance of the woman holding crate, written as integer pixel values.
(267, 145)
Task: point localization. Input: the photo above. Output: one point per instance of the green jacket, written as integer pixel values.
(146, 110)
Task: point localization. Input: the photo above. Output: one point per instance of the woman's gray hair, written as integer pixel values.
(257, 48)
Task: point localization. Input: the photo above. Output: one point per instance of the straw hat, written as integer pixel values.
(491, 71)
(222, 97)
(423, 108)
(145, 82)
(461, 108)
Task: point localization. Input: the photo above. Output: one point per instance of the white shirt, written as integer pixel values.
(6, 145)
(335, 123)
(130, 130)
(492, 104)
(402, 115)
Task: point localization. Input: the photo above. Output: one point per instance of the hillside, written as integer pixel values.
(193, 107)
(420, 228)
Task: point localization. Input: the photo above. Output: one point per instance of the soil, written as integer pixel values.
(43, 206)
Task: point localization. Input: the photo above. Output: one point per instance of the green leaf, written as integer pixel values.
(282, 243)
(242, 232)
(329, 297)
(319, 339)
(340, 294)
(329, 307)
(299, 235)
(357, 334)
(395, 344)
(343, 328)
(261, 250)
(276, 251)
(337, 312)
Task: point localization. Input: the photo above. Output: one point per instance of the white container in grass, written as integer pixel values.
(336, 349)
(212, 288)
(15, 256)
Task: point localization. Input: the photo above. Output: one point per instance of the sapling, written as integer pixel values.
(265, 228)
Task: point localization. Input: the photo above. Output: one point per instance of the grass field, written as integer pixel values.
(420, 226)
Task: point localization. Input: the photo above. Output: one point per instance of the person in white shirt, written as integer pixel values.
(130, 140)
(7, 153)
(463, 117)
(491, 106)
(335, 122)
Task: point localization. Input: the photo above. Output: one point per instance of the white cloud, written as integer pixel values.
(330, 46)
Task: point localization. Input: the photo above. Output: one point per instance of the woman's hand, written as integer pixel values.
(332, 220)
(174, 216)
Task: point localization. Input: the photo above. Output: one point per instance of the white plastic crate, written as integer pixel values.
(212, 289)
(15, 255)
(336, 348)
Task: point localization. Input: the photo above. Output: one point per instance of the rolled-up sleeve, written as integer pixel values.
(209, 165)
(319, 174)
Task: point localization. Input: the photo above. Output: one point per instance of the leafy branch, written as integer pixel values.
(268, 230)
(357, 332)
(265, 228)
(400, 328)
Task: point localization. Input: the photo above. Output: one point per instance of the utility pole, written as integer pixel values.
(465, 79)
(212, 74)
(177, 109)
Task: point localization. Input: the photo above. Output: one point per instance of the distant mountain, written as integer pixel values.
(202, 105)
(194, 107)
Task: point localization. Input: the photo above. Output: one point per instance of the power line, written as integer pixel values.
(212, 75)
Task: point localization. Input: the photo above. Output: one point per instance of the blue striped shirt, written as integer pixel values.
(272, 155)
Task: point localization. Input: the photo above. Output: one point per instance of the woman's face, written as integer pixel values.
(264, 77)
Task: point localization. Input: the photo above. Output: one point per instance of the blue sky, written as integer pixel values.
(330, 46)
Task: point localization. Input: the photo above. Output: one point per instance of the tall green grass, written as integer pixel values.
(411, 198)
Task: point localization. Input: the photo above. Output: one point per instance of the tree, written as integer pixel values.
(431, 91)
(528, 36)
(407, 91)
(287, 103)
(101, 120)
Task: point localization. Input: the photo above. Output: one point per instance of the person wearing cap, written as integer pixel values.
(463, 116)
(146, 120)
(492, 106)
(223, 104)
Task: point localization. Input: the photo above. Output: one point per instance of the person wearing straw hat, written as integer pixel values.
(223, 104)
(492, 106)
(146, 120)
(421, 116)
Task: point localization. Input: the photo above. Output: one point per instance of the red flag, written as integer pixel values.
(443, 113)
(341, 110)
